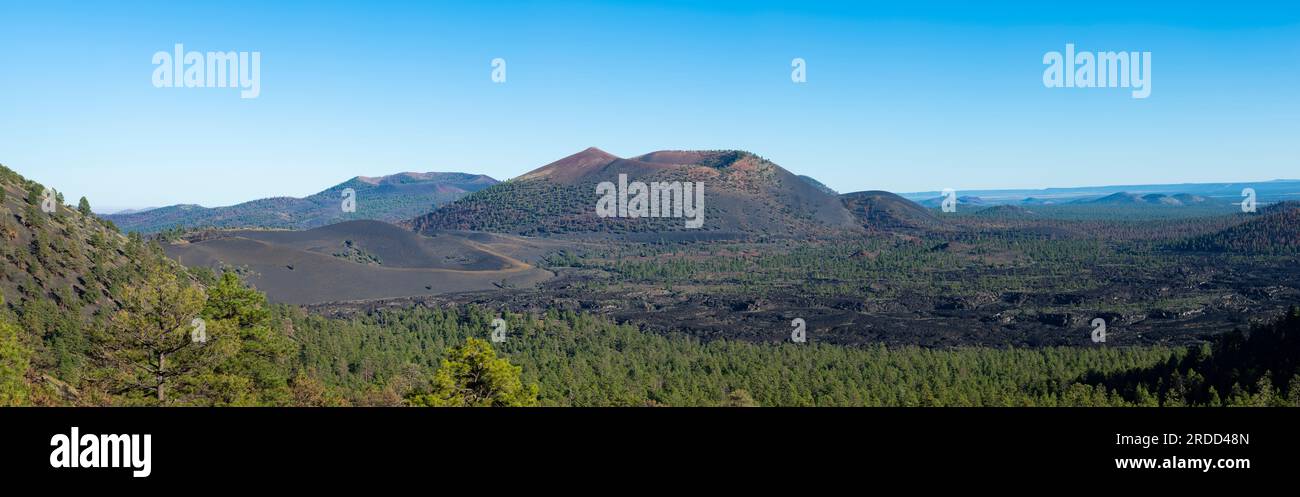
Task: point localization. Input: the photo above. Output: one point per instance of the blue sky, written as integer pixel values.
(899, 97)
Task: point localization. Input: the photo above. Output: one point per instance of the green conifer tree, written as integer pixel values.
(471, 375)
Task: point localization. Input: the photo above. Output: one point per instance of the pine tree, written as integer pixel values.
(739, 398)
(84, 207)
(255, 371)
(1238, 397)
(309, 391)
(1215, 401)
(1265, 394)
(1145, 399)
(149, 345)
(472, 376)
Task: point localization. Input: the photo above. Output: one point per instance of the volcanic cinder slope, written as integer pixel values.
(744, 196)
(881, 210)
(361, 260)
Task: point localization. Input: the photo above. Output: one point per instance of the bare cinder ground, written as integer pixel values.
(301, 267)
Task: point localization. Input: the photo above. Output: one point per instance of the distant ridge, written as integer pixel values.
(391, 198)
(1276, 190)
(1126, 198)
(962, 200)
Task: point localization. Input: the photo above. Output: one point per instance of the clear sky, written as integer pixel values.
(898, 97)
